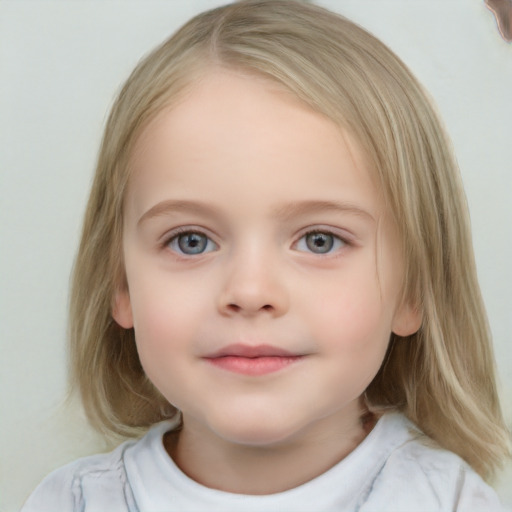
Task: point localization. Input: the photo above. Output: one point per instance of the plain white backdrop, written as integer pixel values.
(61, 62)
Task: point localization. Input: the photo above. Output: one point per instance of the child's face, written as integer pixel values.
(251, 221)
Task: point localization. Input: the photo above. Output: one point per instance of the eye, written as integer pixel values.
(191, 243)
(320, 242)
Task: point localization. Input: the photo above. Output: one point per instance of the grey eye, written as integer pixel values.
(191, 243)
(319, 243)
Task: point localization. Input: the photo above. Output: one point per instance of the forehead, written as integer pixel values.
(243, 131)
(214, 90)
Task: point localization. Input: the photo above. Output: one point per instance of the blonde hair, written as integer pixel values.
(442, 377)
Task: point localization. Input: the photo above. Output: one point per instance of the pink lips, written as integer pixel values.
(252, 360)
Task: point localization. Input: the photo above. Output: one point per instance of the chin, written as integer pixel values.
(261, 432)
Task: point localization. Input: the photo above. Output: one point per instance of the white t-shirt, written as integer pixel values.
(395, 469)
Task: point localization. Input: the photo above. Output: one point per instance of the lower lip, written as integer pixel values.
(253, 365)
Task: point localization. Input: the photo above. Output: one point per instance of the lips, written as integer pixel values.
(250, 351)
(252, 360)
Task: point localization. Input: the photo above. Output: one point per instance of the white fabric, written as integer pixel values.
(394, 469)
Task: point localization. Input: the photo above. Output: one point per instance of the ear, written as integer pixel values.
(407, 320)
(122, 309)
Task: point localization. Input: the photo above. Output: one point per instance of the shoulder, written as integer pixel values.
(98, 480)
(419, 476)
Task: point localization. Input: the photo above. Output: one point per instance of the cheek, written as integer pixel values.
(354, 318)
(354, 334)
(164, 323)
(164, 315)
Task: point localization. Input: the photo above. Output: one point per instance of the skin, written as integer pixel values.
(240, 160)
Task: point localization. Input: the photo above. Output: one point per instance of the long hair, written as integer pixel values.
(442, 377)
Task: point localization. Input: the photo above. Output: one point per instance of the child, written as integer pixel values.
(276, 276)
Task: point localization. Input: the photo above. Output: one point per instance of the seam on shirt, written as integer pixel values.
(433, 489)
(129, 498)
(458, 488)
(363, 497)
(78, 494)
(113, 467)
(365, 494)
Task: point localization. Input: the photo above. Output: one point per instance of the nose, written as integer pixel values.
(253, 285)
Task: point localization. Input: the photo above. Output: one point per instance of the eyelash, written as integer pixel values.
(339, 242)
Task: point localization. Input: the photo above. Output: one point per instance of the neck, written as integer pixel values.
(242, 469)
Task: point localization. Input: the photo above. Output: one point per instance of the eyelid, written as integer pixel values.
(340, 233)
(179, 230)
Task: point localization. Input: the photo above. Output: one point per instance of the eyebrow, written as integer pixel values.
(172, 205)
(285, 212)
(299, 208)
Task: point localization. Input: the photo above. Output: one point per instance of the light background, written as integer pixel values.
(61, 63)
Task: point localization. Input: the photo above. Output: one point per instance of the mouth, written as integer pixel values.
(252, 360)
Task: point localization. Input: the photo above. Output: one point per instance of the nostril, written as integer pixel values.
(235, 308)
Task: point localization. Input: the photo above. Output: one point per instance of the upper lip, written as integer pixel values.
(250, 351)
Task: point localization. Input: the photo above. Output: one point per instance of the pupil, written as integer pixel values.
(319, 242)
(192, 243)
